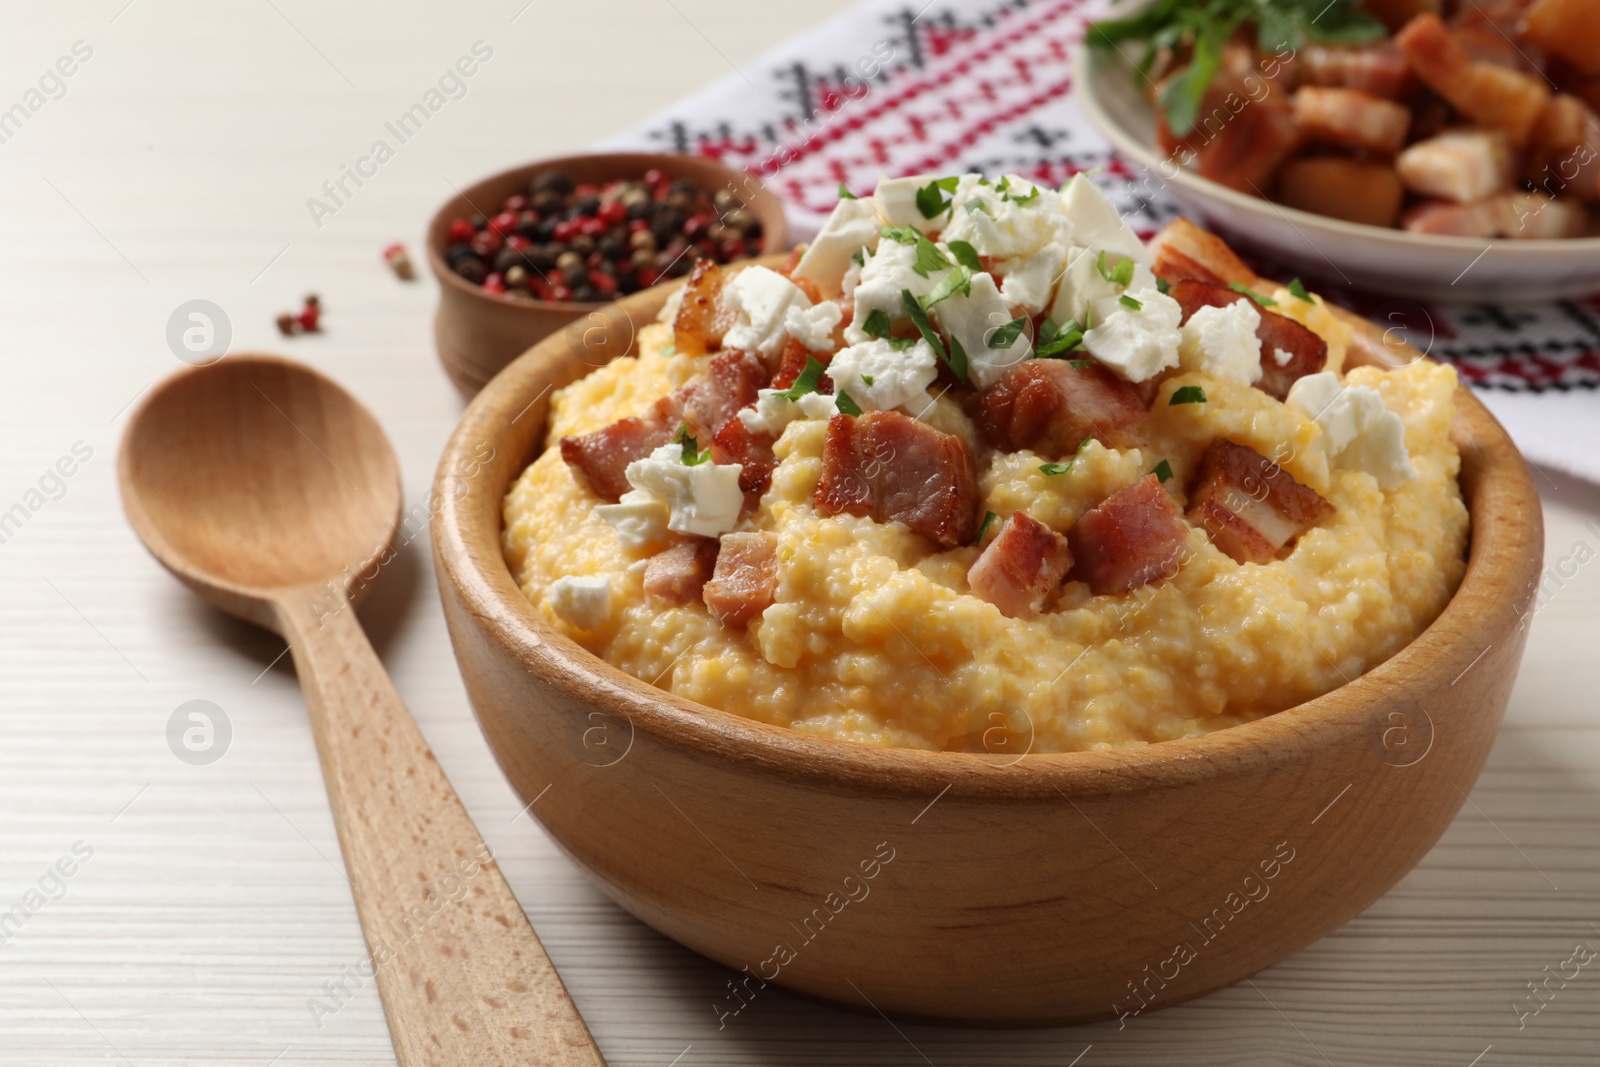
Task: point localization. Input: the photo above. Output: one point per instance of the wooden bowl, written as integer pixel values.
(478, 333)
(972, 888)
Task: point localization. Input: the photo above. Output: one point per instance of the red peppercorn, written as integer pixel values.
(566, 230)
(517, 241)
(503, 223)
(635, 225)
(539, 287)
(494, 283)
(460, 230)
(560, 293)
(515, 203)
(591, 227)
(731, 249)
(486, 243)
(612, 212)
(311, 316)
(603, 281)
(654, 177)
(647, 276)
(586, 189)
(697, 224)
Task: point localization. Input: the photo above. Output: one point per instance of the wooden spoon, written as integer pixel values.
(274, 494)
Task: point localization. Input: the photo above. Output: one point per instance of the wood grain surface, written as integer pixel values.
(213, 907)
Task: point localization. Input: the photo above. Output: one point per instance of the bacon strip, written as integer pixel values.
(1191, 252)
(603, 456)
(793, 361)
(1051, 405)
(895, 469)
(675, 575)
(734, 443)
(1352, 118)
(702, 317)
(745, 579)
(1022, 566)
(1377, 69)
(1132, 538)
(1485, 92)
(1249, 505)
(1308, 353)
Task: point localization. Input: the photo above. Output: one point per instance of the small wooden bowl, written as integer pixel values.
(970, 888)
(478, 333)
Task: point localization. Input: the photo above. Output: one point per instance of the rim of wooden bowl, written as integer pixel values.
(1505, 549)
(706, 173)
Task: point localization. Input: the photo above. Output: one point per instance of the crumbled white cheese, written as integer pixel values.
(1086, 295)
(640, 520)
(761, 298)
(584, 602)
(1096, 224)
(887, 274)
(1360, 431)
(898, 377)
(1282, 357)
(1138, 343)
(669, 310)
(1000, 224)
(704, 499)
(896, 199)
(973, 320)
(813, 326)
(1222, 342)
(852, 276)
(773, 410)
(853, 224)
(1029, 282)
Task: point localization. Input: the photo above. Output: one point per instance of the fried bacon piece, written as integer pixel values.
(745, 579)
(675, 575)
(793, 361)
(1351, 118)
(893, 468)
(1307, 352)
(1051, 405)
(1130, 539)
(1378, 69)
(1249, 505)
(1350, 189)
(1247, 150)
(705, 404)
(1459, 165)
(734, 443)
(1184, 250)
(1021, 567)
(1485, 92)
(702, 317)
(1518, 216)
(1566, 28)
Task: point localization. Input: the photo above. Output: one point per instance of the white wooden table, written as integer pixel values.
(175, 163)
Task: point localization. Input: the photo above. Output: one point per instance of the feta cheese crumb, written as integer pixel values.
(1361, 432)
(1138, 343)
(584, 602)
(1006, 225)
(669, 310)
(1282, 357)
(888, 273)
(773, 410)
(898, 377)
(896, 199)
(639, 518)
(761, 298)
(1222, 342)
(853, 225)
(704, 499)
(972, 320)
(1096, 224)
(1029, 282)
(1084, 292)
(813, 326)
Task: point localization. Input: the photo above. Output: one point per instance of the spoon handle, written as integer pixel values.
(463, 977)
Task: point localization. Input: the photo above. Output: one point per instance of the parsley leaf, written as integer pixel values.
(1129, 302)
(1162, 471)
(906, 235)
(842, 401)
(867, 378)
(877, 325)
(1080, 364)
(967, 256)
(858, 258)
(958, 360)
(1121, 274)
(845, 193)
(1062, 468)
(1298, 291)
(1163, 286)
(983, 528)
(807, 381)
(1189, 394)
(1264, 301)
(932, 200)
(1006, 336)
(929, 258)
(1056, 341)
(957, 280)
(977, 204)
(692, 455)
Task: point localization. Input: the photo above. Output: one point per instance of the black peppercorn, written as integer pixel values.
(507, 258)
(612, 246)
(553, 181)
(472, 269)
(585, 294)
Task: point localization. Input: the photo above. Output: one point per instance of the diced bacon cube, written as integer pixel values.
(1459, 165)
(1248, 150)
(603, 456)
(793, 362)
(895, 469)
(745, 580)
(1351, 118)
(1187, 251)
(1307, 352)
(1248, 505)
(1132, 538)
(1566, 28)
(1351, 189)
(733, 380)
(675, 575)
(702, 317)
(1021, 567)
(735, 443)
(1565, 156)
(1486, 93)
(1378, 69)
(1051, 405)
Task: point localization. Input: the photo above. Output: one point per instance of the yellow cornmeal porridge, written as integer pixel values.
(874, 635)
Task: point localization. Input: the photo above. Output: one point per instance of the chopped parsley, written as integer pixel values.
(932, 199)
(1080, 364)
(1121, 274)
(906, 235)
(1006, 336)
(929, 258)
(1189, 394)
(845, 193)
(1264, 301)
(858, 257)
(1056, 341)
(966, 255)
(1163, 286)
(807, 381)
(1129, 302)
(842, 401)
(1298, 291)
(977, 204)
(955, 357)
(983, 527)
(877, 325)
(1162, 471)
(692, 455)
(1062, 468)
(957, 280)
(867, 378)
(1027, 198)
